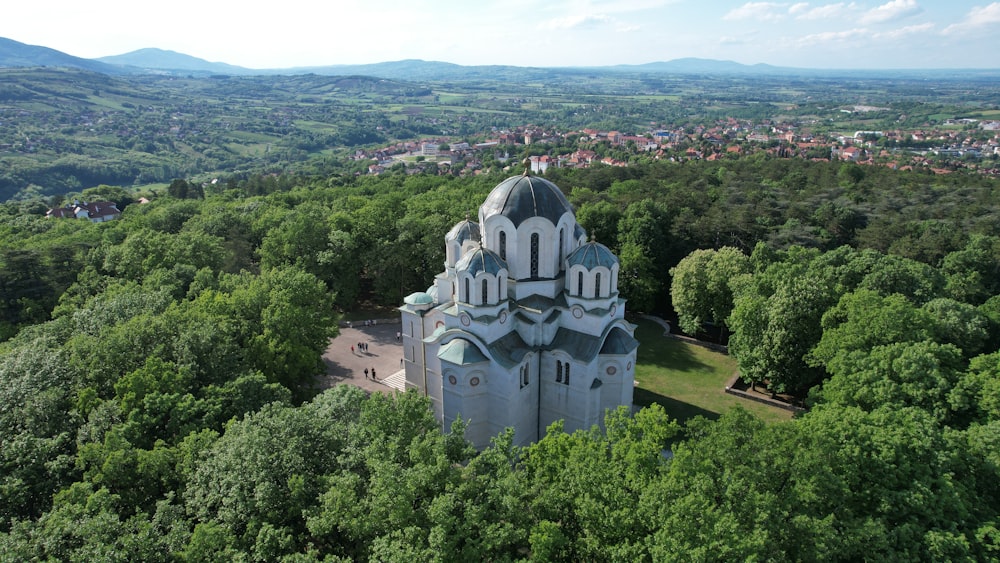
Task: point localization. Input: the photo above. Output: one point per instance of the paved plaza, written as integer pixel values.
(383, 355)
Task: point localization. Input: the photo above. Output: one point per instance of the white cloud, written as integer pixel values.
(825, 12)
(905, 31)
(978, 18)
(894, 10)
(578, 21)
(833, 37)
(797, 8)
(764, 11)
(626, 28)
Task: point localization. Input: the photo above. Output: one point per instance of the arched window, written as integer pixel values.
(503, 245)
(486, 292)
(558, 371)
(534, 255)
(597, 285)
(560, 249)
(579, 284)
(566, 379)
(468, 297)
(524, 376)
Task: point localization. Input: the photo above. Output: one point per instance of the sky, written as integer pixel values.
(880, 34)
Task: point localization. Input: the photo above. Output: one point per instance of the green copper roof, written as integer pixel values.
(509, 350)
(619, 343)
(418, 298)
(461, 352)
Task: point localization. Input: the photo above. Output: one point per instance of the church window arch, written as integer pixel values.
(566, 376)
(559, 376)
(467, 297)
(579, 284)
(597, 284)
(534, 255)
(486, 292)
(503, 245)
(561, 248)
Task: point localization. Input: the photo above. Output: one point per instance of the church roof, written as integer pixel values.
(585, 347)
(580, 346)
(509, 349)
(481, 260)
(592, 255)
(619, 343)
(522, 197)
(466, 230)
(418, 298)
(461, 352)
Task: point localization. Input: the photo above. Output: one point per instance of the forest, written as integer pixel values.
(159, 398)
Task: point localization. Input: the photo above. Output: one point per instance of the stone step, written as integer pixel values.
(396, 381)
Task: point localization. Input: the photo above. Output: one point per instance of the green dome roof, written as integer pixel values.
(461, 352)
(418, 298)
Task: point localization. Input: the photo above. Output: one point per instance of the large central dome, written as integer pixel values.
(521, 197)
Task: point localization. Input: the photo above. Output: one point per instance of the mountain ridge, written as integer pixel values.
(16, 54)
(160, 61)
(154, 59)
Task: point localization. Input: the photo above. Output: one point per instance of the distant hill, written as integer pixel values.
(167, 61)
(703, 66)
(416, 69)
(17, 54)
(160, 61)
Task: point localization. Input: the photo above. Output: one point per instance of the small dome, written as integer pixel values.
(592, 255)
(481, 260)
(466, 230)
(522, 197)
(418, 298)
(461, 352)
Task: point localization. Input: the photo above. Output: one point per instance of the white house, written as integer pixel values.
(525, 326)
(94, 211)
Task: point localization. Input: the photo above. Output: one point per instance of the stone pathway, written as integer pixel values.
(383, 356)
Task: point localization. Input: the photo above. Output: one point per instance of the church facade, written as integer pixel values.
(525, 325)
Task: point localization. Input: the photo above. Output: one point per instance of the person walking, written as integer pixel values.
(373, 375)
(366, 373)
(352, 349)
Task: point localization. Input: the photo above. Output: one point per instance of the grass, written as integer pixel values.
(688, 380)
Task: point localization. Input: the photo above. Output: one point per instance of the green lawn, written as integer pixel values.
(688, 380)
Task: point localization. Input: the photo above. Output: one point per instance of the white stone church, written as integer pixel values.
(525, 326)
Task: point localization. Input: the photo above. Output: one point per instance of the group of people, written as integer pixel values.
(362, 347)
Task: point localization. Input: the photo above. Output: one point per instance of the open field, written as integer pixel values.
(688, 380)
